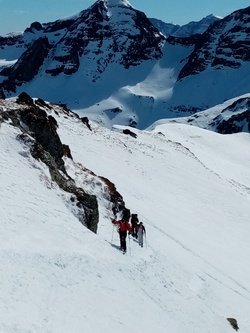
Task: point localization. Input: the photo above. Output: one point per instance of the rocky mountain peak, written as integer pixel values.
(110, 31)
(114, 3)
(224, 44)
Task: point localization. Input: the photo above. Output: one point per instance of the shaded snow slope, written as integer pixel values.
(191, 188)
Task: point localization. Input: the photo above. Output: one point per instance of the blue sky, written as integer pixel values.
(16, 15)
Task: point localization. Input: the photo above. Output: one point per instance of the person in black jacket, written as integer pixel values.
(134, 221)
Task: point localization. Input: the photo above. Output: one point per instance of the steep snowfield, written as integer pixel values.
(189, 186)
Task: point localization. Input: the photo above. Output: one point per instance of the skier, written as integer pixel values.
(140, 232)
(124, 226)
(134, 221)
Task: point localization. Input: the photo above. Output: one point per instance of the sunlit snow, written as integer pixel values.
(190, 187)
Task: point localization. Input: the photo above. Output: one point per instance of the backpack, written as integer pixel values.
(126, 214)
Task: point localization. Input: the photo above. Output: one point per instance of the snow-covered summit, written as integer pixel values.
(114, 3)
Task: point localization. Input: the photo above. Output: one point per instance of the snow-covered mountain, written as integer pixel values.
(190, 187)
(232, 116)
(109, 32)
(111, 64)
(186, 30)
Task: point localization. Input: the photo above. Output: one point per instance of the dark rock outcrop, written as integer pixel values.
(226, 43)
(128, 132)
(85, 202)
(34, 26)
(233, 323)
(44, 131)
(40, 131)
(235, 124)
(237, 118)
(145, 45)
(24, 99)
(27, 65)
(85, 121)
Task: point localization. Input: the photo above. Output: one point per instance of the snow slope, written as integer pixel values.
(206, 119)
(190, 187)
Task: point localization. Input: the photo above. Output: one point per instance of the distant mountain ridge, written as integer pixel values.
(186, 30)
(110, 63)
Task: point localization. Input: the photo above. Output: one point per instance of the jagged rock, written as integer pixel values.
(47, 146)
(235, 124)
(145, 45)
(88, 203)
(233, 323)
(39, 133)
(16, 39)
(128, 132)
(24, 98)
(235, 120)
(118, 204)
(67, 152)
(224, 44)
(27, 65)
(41, 102)
(34, 26)
(44, 132)
(85, 121)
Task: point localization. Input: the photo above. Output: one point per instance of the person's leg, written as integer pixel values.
(125, 245)
(123, 241)
(140, 239)
(120, 240)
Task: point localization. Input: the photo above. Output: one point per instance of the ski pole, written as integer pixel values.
(129, 245)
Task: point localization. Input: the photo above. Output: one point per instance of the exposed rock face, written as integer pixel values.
(235, 124)
(47, 146)
(233, 323)
(234, 118)
(8, 41)
(44, 132)
(226, 43)
(28, 64)
(237, 118)
(108, 32)
(39, 133)
(128, 132)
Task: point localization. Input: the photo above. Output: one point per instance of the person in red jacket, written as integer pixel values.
(124, 226)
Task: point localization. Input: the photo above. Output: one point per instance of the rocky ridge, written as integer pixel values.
(37, 123)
